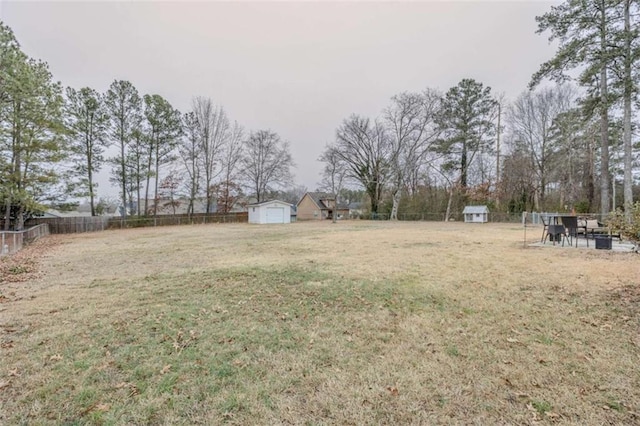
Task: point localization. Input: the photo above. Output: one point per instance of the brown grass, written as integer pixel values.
(352, 323)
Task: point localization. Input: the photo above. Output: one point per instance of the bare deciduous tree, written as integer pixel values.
(189, 149)
(530, 119)
(334, 175)
(213, 131)
(266, 162)
(230, 159)
(412, 129)
(365, 149)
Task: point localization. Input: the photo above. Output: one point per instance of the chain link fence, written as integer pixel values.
(13, 241)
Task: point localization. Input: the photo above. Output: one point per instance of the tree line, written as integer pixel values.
(564, 143)
(54, 140)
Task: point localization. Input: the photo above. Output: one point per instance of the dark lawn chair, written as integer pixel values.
(545, 228)
(557, 233)
(571, 225)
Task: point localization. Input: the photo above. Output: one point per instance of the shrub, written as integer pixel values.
(629, 227)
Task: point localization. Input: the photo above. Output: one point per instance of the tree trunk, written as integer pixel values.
(604, 121)
(20, 219)
(124, 175)
(628, 94)
(463, 165)
(396, 203)
(155, 190)
(448, 212)
(498, 154)
(90, 176)
(334, 216)
(146, 191)
(7, 214)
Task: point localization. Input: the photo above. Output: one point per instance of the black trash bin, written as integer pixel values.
(603, 242)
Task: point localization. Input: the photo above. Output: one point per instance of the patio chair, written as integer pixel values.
(545, 228)
(557, 233)
(571, 225)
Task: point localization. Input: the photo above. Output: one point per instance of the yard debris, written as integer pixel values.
(180, 342)
(393, 390)
(133, 389)
(25, 264)
(165, 369)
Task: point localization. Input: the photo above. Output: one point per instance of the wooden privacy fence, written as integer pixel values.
(179, 219)
(13, 241)
(72, 225)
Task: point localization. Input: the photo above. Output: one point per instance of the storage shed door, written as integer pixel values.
(275, 214)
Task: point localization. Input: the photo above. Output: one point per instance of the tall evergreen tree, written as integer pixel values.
(164, 128)
(87, 121)
(585, 30)
(124, 106)
(30, 130)
(467, 123)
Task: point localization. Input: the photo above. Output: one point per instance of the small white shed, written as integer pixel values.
(476, 214)
(273, 211)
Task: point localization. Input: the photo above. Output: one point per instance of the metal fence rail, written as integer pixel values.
(13, 241)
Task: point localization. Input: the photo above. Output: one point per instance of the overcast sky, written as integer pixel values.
(297, 68)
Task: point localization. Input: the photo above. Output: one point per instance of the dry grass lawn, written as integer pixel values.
(318, 323)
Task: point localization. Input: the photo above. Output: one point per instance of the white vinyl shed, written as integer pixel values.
(274, 211)
(476, 214)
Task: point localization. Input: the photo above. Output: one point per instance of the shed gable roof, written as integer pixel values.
(262, 203)
(475, 209)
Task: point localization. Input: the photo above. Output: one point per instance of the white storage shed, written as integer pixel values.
(273, 211)
(476, 214)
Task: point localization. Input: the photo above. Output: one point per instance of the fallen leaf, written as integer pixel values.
(393, 390)
(165, 369)
(56, 357)
(14, 373)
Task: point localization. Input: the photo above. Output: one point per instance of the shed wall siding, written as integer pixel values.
(260, 213)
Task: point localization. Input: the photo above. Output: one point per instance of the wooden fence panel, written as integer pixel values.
(72, 225)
